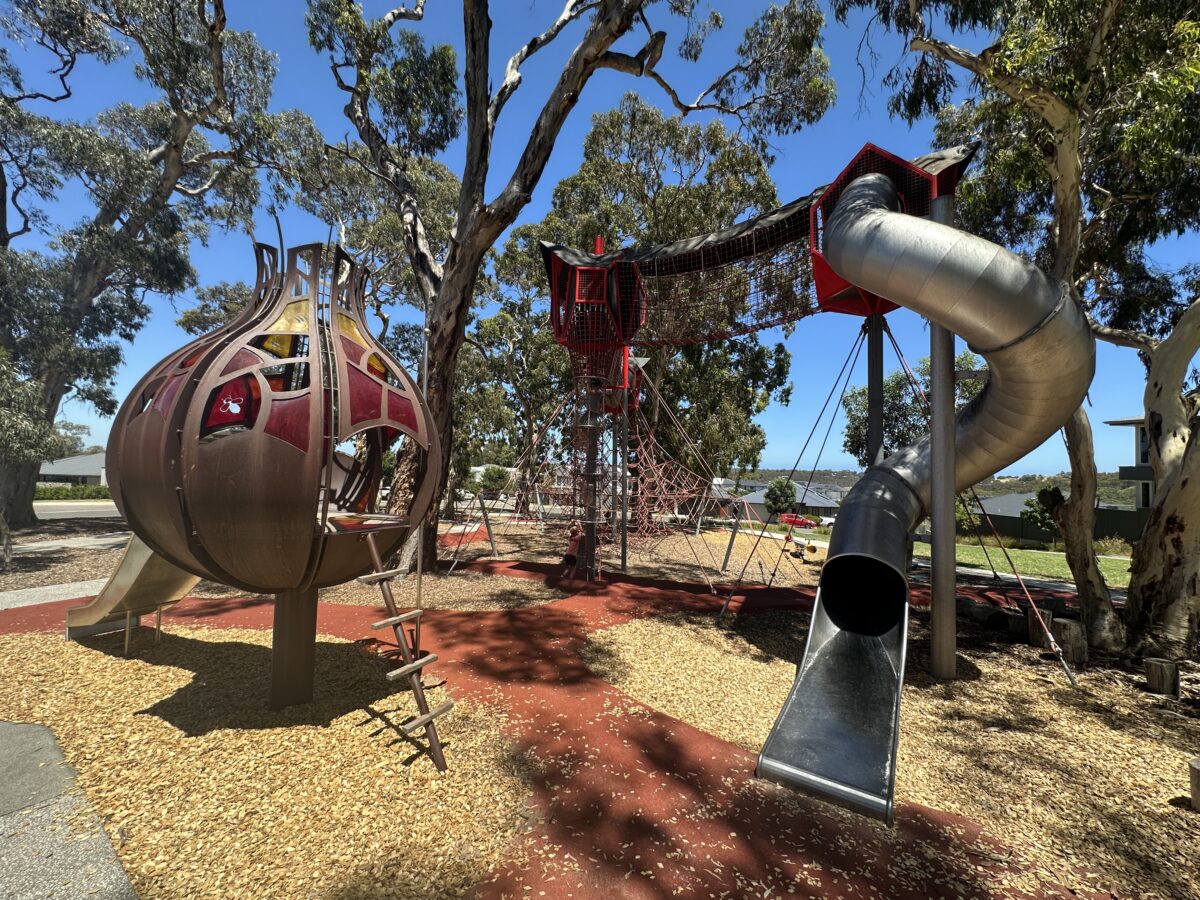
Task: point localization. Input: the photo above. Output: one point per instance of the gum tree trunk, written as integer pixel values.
(1163, 609)
(1076, 519)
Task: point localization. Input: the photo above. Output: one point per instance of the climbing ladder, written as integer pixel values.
(414, 663)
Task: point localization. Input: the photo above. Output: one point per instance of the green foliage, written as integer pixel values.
(493, 478)
(151, 177)
(216, 304)
(72, 492)
(25, 434)
(414, 88)
(780, 496)
(905, 416)
(1036, 515)
(647, 178)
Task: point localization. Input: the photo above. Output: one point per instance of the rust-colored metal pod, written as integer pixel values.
(253, 456)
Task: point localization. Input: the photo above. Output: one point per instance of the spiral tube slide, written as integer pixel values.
(836, 735)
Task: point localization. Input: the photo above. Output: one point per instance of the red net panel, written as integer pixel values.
(750, 276)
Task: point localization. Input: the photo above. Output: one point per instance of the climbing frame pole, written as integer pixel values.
(733, 532)
(487, 523)
(874, 387)
(625, 483)
(943, 572)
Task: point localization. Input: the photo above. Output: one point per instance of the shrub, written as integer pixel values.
(1113, 546)
(72, 492)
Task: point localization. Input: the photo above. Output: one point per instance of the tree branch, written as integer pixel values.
(512, 72)
(216, 56)
(1104, 24)
(1028, 93)
(415, 14)
(1122, 337)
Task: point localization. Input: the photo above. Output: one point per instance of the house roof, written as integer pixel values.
(1140, 420)
(803, 498)
(76, 466)
(1005, 504)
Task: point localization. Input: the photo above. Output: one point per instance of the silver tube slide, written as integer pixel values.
(836, 735)
(1041, 357)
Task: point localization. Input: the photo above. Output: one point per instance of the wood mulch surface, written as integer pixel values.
(1088, 787)
(627, 795)
(58, 567)
(57, 529)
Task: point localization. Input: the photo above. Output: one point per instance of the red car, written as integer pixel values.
(797, 520)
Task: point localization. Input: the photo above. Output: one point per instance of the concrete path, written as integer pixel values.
(74, 509)
(50, 593)
(51, 841)
(110, 541)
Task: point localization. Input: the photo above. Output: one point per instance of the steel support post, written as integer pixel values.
(625, 483)
(943, 624)
(737, 518)
(293, 647)
(591, 480)
(875, 388)
(487, 523)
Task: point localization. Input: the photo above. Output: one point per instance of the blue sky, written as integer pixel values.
(812, 157)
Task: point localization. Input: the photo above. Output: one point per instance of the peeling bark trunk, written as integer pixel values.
(1076, 519)
(1163, 609)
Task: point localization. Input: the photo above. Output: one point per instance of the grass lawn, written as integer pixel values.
(1035, 563)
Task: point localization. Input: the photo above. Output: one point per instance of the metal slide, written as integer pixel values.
(142, 582)
(836, 735)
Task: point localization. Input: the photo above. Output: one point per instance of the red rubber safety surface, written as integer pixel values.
(639, 804)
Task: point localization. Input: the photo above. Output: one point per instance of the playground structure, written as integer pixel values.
(878, 237)
(644, 499)
(253, 457)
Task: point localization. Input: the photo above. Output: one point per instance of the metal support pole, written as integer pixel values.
(487, 523)
(737, 518)
(625, 483)
(943, 572)
(875, 388)
(591, 480)
(613, 483)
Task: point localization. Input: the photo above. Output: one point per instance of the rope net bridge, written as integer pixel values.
(762, 273)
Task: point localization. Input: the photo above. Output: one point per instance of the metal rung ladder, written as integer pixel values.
(413, 665)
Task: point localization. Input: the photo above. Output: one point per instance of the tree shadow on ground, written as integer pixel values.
(664, 810)
(231, 682)
(56, 529)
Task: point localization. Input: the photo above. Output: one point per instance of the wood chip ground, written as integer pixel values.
(1088, 787)
(205, 792)
(678, 556)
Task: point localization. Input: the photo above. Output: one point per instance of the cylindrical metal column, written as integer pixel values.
(625, 483)
(944, 613)
(594, 408)
(874, 388)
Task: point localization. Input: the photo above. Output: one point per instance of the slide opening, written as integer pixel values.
(862, 594)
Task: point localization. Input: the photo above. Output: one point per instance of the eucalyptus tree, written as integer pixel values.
(646, 179)
(25, 435)
(1090, 120)
(404, 103)
(153, 177)
(905, 412)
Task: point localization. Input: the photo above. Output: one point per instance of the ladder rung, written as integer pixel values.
(376, 577)
(403, 671)
(422, 721)
(398, 620)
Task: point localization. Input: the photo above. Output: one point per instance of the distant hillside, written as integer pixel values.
(1110, 488)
